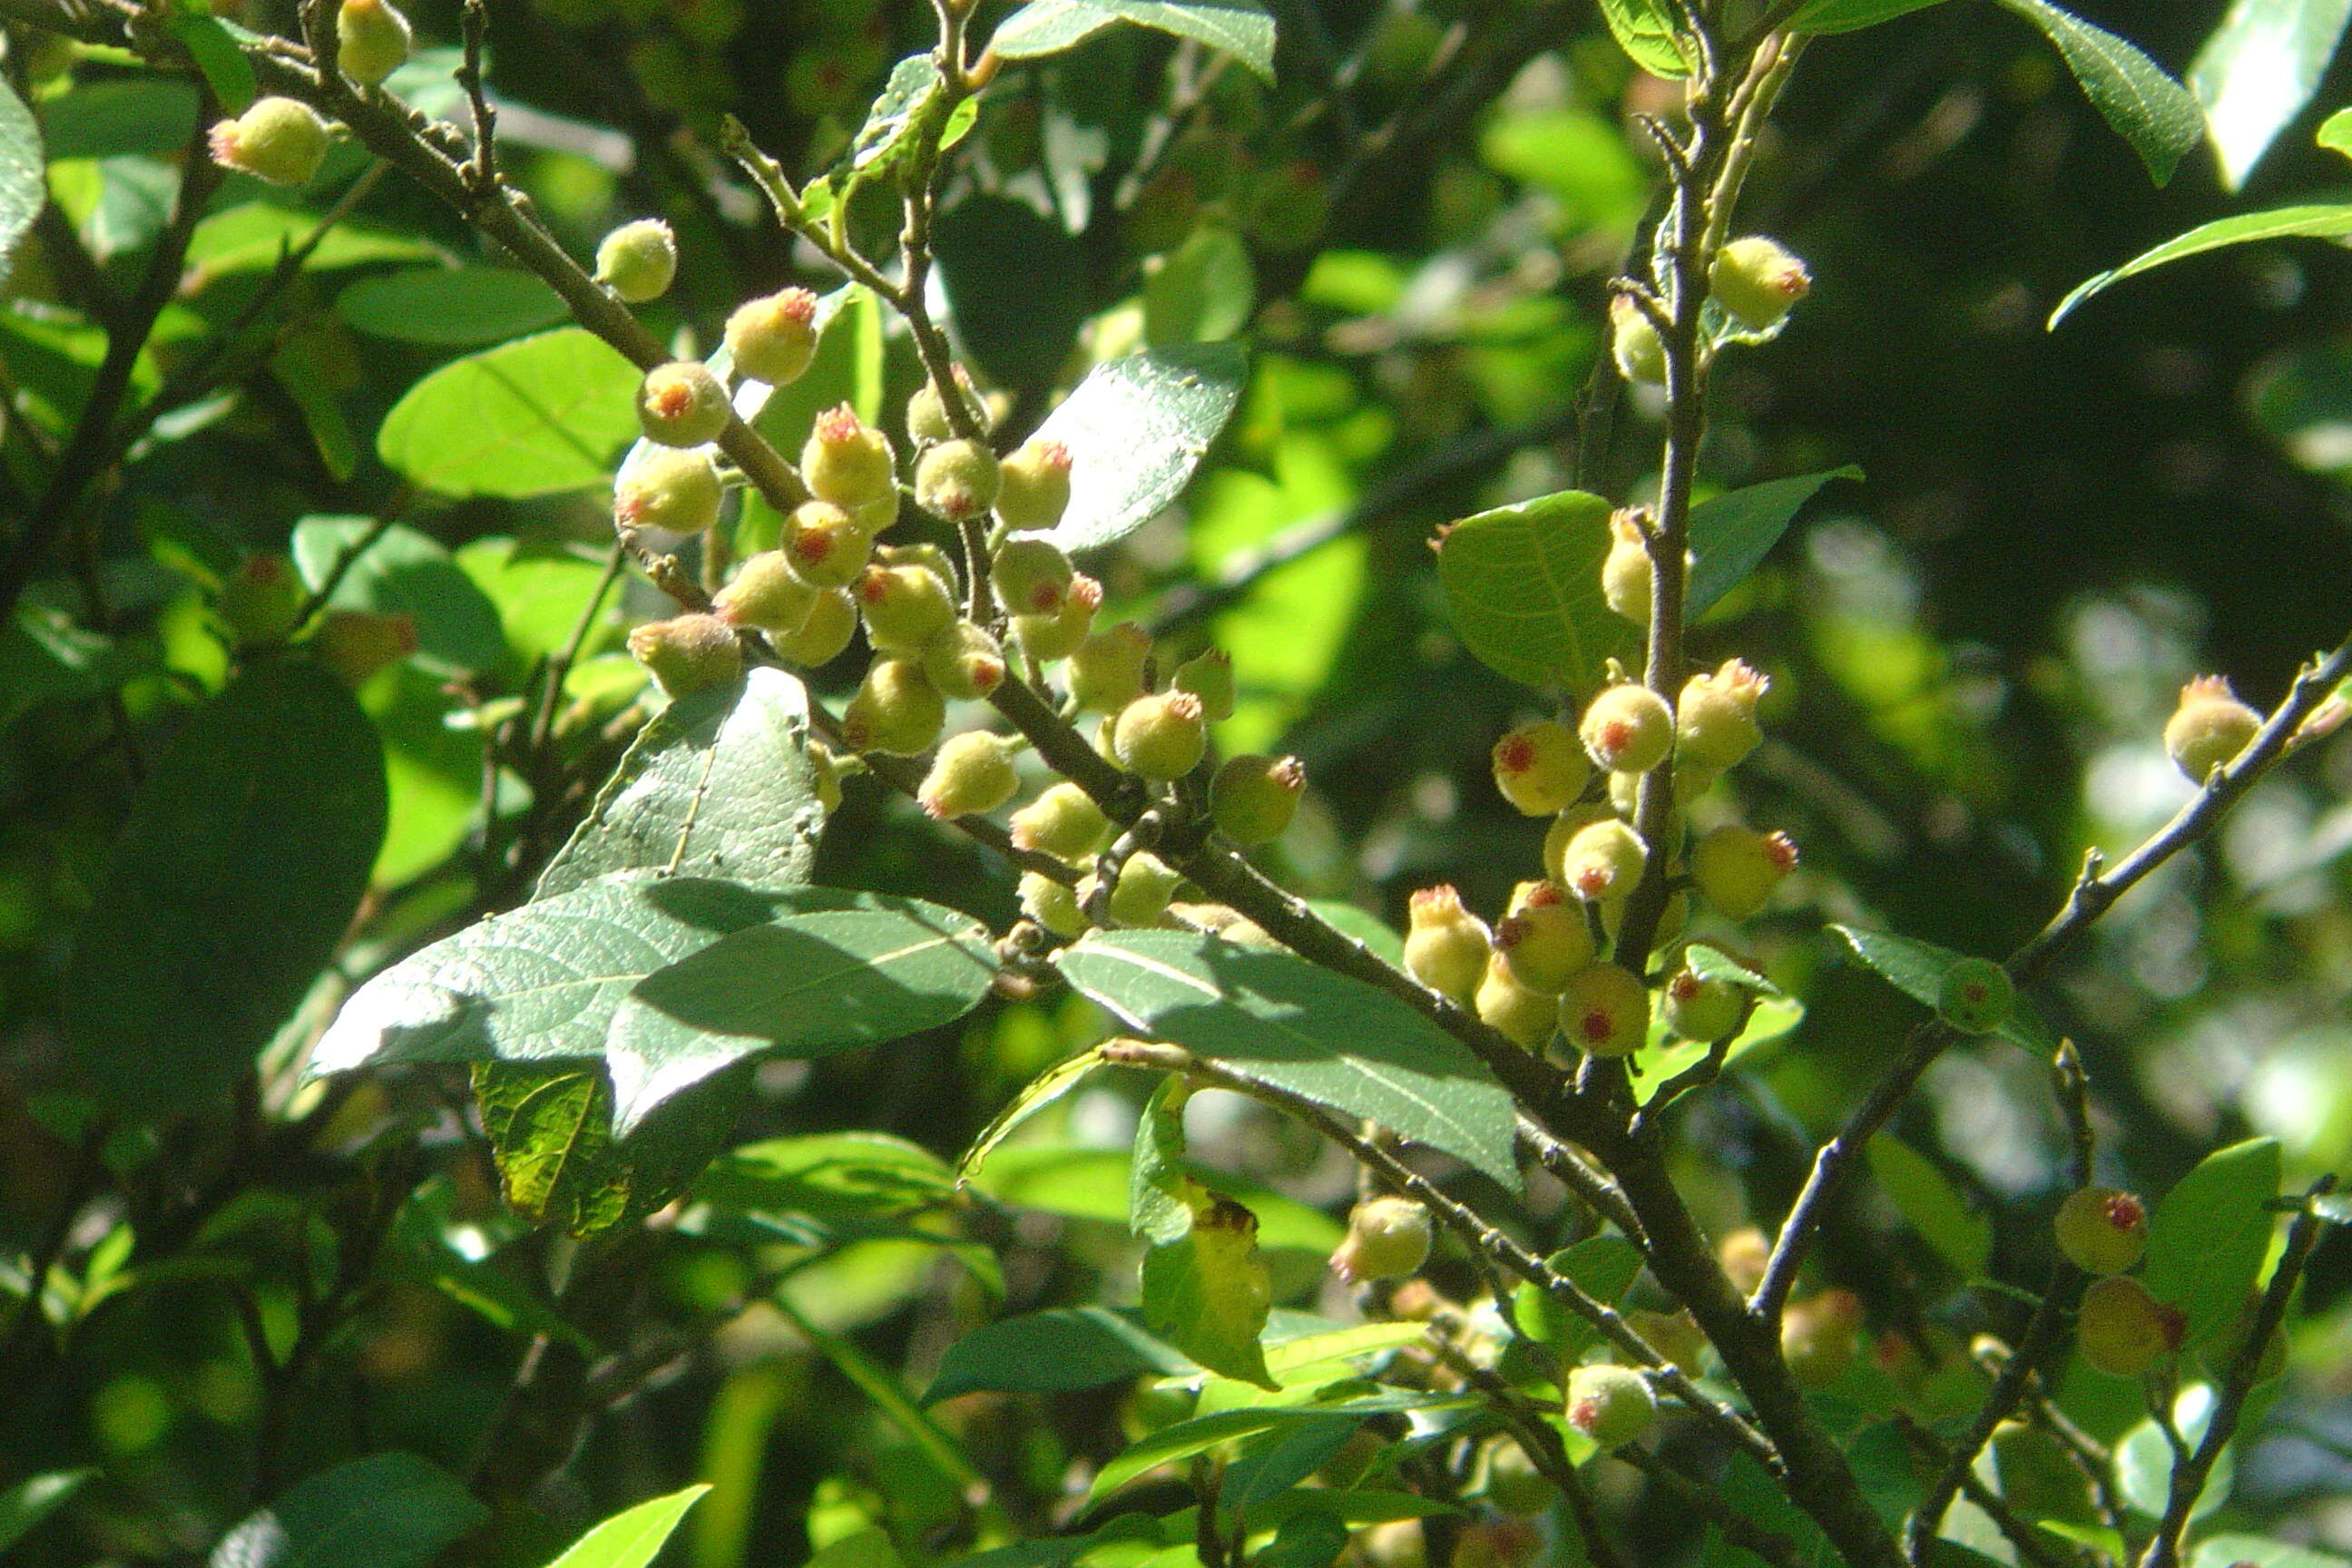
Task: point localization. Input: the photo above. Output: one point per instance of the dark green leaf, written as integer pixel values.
(404, 574)
(252, 236)
(1730, 535)
(33, 1500)
(540, 595)
(1523, 585)
(1277, 1018)
(1306, 1539)
(2258, 70)
(1135, 429)
(2209, 1236)
(1016, 288)
(22, 188)
(719, 784)
(1243, 28)
(532, 417)
(1054, 1351)
(632, 1537)
(1918, 970)
(1202, 292)
(387, 1510)
(1042, 1091)
(224, 67)
(120, 116)
(455, 306)
(551, 1127)
(2149, 110)
(1927, 1198)
(1848, 16)
(1645, 30)
(1096, 1185)
(245, 857)
(2281, 223)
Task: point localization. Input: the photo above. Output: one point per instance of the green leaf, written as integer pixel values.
(1163, 1197)
(33, 1500)
(252, 236)
(907, 115)
(22, 188)
(1645, 30)
(630, 1538)
(836, 1177)
(2144, 1459)
(1243, 28)
(1095, 1184)
(1201, 293)
(2336, 132)
(1925, 1197)
(1603, 1266)
(532, 417)
(451, 306)
(551, 1128)
(2208, 1238)
(1135, 429)
(1655, 1064)
(387, 1510)
(2258, 70)
(719, 784)
(245, 857)
(1205, 1288)
(2149, 110)
(1918, 970)
(121, 117)
(1730, 535)
(1850, 15)
(1042, 1091)
(2280, 223)
(2227, 1551)
(223, 64)
(1172, 1444)
(1275, 1017)
(1055, 1351)
(1523, 587)
(404, 574)
(1016, 288)
(538, 595)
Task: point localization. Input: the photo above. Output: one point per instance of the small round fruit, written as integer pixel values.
(372, 40)
(957, 480)
(846, 461)
(682, 404)
(1388, 1238)
(2102, 1230)
(1634, 343)
(825, 545)
(927, 410)
(1106, 670)
(1737, 868)
(1626, 573)
(638, 260)
(2123, 1331)
(964, 661)
(1817, 1336)
(972, 775)
(1744, 1255)
(1252, 798)
(1035, 488)
(1605, 1011)
(766, 597)
(897, 711)
(1052, 904)
(1975, 996)
(1528, 1017)
(1715, 719)
(2209, 727)
(261, 601)
(689, 653)
(1757, 280)
(1145, 883)
(774, 337)
(1628, 729)
(832, 622)
(1603, 863)
(905, 606)
(675, 488)
(1031, 576)
(1209, 676)
(1704, 1009)
(280, 140)
(1445, 946)
(1540, 768)
(1614, 1406)
(1545, 939)
(1161, 736)
(1057, 636)
(1063, 822)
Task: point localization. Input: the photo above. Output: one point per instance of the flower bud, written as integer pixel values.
(689, 653)
(638, 261)
(1634, 343)
(1614, 1406)
(1388, 1238)
(675, 488)
(280, 140)
(1161, 736)
(765, 596)
(1817, 1336)
(1252, 798)
(682, 404)
(972, 775)
(1704, 1009)
(1628, 729)
(832, 622)
(964, 661)
(896, 710)
(1745, 1254)
(1053, 637)
(1209, 676)
(1714, 719)
(1036, 487)
(846, 461)
(2102, 1230)
(927, 410)
(2209, 727)
(1626, 573)
(1502, 1003)
(1756, 281)
(1052, 904)
(905, 606)
(1145, 883)
(2123, 1331)
(1975, 996)
(1445, 946)
(371, 41)
(1031, 576)
(1063, 822)
(1603, 863)
(774, 337)
(1105, 670)
(1604, 1011)
(957, 480)
(354, 644)
(1737, 868)
(1545, 939)
(1540, 768)
(261, 600)
(825, 546)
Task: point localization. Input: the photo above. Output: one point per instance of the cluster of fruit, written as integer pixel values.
(283, 141)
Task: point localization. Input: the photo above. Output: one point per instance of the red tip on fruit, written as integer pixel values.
(1543, 894)
(1517, 755)
(838, 424)
(1616, 735)
(1593, 881)
(1583, 1413)
(2174, 1322)
(796, 305)
(2125, 1212)
(1783, 850)
(987, 674)
(1595, 1027)
(674, 400)
(1054, 455)
(1683, 985)
(873, 585)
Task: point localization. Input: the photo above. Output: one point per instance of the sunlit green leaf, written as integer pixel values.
(532, 417)
(1243, 28)
(1848, 16)
(1934, 1207)
(2144, 1459)
(33, 1499)
(1135, 429)
(632, 1537)
(404, 572)
(1918, 970)
(1054, 1351)
(22, 189)
(2281, 223)
(1731, 533)
(458, 306)
(1646, 30)
(2208, 1238)
(1523, 585)
(2258, 70)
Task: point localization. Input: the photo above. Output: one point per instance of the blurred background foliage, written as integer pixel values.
(1972, 652)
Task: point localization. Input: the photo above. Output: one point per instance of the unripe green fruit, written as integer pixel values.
(1817, 1336)
(1603, 863)
(1512, 1483)
(825, 546)
(774, 337)
(1626, 573)
(1502, 1003)
(1063, 822)
(957, 480)
(1252, 798)
(905, 607)
(682, 404)
(1737, 868)
(677, 488)
(1388, 1238)
(2123, 1331)
(965, 662)
(1052, 904)
(1628, 729)
(1562, 833)
(1745, 1255)
(689, 653)
(1539, 768)
(1445, 946)
(1715, 719)
(1036, 487)
(846, 461)
(1209, 676)
(1625, 794)
(1545, 939)
(371, 41)
(2102, 1230)
(832, 622)
(280, 140)
(1032, 576)
(1161, 736)
(1048, 637)
(353, 644)
(1975, 996)
(766, 597)
(927, 410)
(972, 775)
(2209, 727)
(1634, 343)
(1614, 1406)
(1145, 883)
(1756, 281)
(638, 260)
(261, 601)
(1704, 1009)
(1604, 1011)
(896, 710)
(1105, 670)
